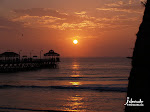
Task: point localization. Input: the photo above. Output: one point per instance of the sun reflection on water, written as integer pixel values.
(75, 75)
(75, 71)
(76, 84)
(75, 66)
(75, 103)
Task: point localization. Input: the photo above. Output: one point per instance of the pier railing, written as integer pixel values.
(27, 64)
(29, 60)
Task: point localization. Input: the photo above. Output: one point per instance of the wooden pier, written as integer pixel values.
(11, 62)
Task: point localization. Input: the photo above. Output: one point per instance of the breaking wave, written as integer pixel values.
(101, 89)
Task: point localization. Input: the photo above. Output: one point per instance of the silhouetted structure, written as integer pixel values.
(138, 87)
(9, 55)
(11, 62)
(53, 56)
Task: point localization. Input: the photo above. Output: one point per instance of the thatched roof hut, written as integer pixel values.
(51, 53)
(9, 54)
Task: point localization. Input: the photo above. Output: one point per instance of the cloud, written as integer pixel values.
(40, 12)
(130, 6)
(41, 17)
(38, 17)
(120, 10)
(77, 26)
(80, 20)
(37, 21)
(81, 14)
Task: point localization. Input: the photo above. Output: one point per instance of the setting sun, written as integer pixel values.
(75, 41)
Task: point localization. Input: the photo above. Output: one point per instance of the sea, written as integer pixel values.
(76, 85)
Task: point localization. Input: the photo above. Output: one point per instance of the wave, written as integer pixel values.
(101, 89)
(82, 78)
(10, 108)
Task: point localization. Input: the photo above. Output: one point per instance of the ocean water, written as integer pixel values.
(79, 84)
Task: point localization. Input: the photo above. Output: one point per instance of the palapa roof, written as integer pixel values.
(9, 54)
(51, 53)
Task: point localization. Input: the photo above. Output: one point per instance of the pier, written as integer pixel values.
(12, 62)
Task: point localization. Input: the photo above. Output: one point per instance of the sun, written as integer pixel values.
(75, 41)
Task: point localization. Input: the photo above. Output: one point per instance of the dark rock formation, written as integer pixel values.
(139, 81)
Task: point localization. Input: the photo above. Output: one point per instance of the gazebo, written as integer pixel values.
(52, 55)
(9, 56)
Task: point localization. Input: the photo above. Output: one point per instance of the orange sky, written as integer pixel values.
(102, 27)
